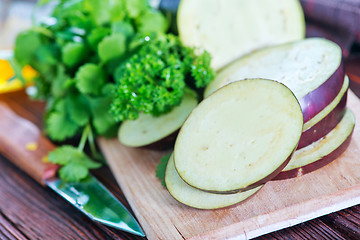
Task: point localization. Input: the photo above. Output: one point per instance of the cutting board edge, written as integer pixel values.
(341, 199)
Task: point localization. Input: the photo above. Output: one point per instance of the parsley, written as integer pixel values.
(73, 53)
(76, 55)
(59, 124)
(75, 163)
(112, 47)
(90, 78)
(161, 168)
(101, 62)
(153, 80)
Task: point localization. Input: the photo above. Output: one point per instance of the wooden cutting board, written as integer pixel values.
(277, 205)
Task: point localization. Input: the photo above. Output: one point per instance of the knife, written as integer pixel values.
(24, 145)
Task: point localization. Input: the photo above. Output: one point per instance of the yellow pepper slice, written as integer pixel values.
(8, 82)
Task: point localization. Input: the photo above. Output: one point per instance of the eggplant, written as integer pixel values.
(157, 132)
(196, 198)
(322, 152)
(311, 68)
(232, 28)
(239, 137)
(326, 120)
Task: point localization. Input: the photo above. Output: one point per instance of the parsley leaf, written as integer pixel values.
(59, 125)
(48, 54)
(75, 163)
(113, 46)
(78, 109)
(62, 155)
(73, 172)
(99, 11)
(90, 78)
(123, 28)
(59, 85)
(136, 7)
(96, 35)
(26, 45)
(152, 22)
(161, 168)
(102, 120)
(73, 53)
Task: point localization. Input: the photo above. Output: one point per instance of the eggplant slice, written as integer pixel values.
(239, 137)
(196, 198)
(232, 28)
(157, 132)
(311, 68)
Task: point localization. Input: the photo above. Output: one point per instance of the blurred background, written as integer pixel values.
(18, 15)
(15, 16)
(337, 20)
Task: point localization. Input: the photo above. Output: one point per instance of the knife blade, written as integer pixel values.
(23, 144)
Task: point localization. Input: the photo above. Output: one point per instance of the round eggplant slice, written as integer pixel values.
(239, 137)
(157, 132)
(311, 68)
(229, 29)
(322, 152)
(196, 198)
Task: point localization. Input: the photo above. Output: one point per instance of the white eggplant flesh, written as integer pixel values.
(239, 137)
(232, 28)
(196, 198)
(152, 132)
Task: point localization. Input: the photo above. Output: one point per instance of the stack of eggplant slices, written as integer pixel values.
(275, 110)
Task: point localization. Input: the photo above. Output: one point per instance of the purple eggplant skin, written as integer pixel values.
(316, 100)
(325, 125)
(297, 172)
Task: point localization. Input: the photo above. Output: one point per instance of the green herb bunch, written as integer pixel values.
(102, 62)
(76, 52)
(153, 81)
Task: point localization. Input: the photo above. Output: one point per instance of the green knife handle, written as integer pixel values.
(23, 143)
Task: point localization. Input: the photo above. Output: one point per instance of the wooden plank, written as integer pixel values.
(39, 212)
(315, 229)
(277, 205)
(9, 231)
(346, 222)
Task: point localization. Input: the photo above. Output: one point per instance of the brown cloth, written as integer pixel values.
(337, 20)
